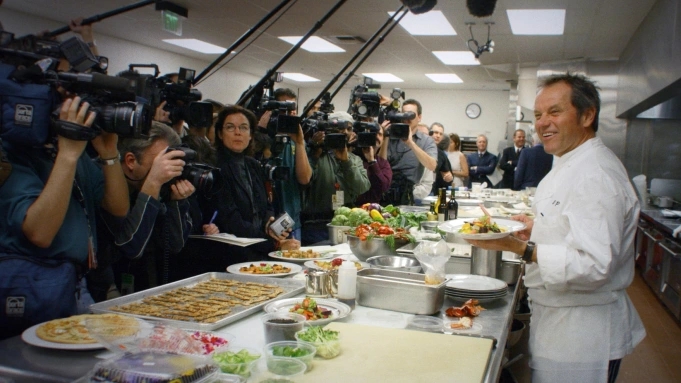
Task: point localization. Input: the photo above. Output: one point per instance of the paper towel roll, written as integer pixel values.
(641, 188)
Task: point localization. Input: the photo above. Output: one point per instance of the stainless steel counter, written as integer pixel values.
(25, 363)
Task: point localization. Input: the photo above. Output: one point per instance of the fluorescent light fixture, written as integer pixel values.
(456, 57)
(383, 77)
(196, 45)
(432, 23)
(299, 77)
(445, 78)
(536, 21)
(313, 44)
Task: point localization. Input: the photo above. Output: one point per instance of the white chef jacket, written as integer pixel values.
(586, 215)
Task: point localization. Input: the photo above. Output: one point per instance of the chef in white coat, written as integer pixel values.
(580, 253)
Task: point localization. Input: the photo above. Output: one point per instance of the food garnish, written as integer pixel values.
(308, 308)
(326, 341)
(231, 362)
(480, 226)
(209, 341)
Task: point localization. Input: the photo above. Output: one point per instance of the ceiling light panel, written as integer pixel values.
(300, 77)
(197, 45)
(383, 77)
(433, 23)
(456, 57)
(536, 21)
(313, 44)
(445, 78)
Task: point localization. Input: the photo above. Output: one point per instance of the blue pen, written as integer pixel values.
(213, 217)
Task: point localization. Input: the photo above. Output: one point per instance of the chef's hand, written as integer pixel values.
(529, 223)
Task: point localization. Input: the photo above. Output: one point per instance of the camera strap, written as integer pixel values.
(75, 131)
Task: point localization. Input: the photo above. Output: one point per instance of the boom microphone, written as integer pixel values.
(101, 81)
(419, 6)
(481, 8)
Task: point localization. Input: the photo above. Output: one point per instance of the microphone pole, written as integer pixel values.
(106, 15)
(347, 65)
(373, 48)
(288, 54)
(240, 40)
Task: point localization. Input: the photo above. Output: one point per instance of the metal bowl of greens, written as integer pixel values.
(374, 246)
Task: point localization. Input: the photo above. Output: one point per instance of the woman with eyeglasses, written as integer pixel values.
(242, 204)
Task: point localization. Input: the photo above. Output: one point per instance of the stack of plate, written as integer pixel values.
(482, 288)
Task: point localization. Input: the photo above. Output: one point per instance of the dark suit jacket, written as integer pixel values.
(485, 165)
(508, 154)
(533, 165)
(443, 165)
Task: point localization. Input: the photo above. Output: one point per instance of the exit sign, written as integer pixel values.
(172, 22)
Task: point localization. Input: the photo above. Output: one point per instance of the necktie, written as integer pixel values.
(479, 155)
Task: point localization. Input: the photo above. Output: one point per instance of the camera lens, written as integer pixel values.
(127, 119)
(201, 178)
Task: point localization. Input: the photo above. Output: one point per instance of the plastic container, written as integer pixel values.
(425, 323)
(280, 326)
(347, 283)
(328, 349)
(277, 370)
(143, 366)
(288, 349)
(236, 360)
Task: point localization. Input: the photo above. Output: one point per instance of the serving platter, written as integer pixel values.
(324, 254)
(295, 269)
(312, 265)
(338, 310)
(509, 225)
(29, 336)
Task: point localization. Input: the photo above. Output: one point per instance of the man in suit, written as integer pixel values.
(509, 158)
(533, 165)
(481, 163)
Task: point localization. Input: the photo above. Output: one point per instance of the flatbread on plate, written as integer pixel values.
(72, 330)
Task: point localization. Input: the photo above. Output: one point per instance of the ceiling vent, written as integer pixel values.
(346, 39)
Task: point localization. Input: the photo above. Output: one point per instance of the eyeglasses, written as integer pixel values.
(242, 128)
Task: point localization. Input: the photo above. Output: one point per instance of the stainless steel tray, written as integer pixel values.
(399, 291)
(291, 288)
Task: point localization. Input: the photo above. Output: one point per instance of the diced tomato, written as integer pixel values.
(337, 262)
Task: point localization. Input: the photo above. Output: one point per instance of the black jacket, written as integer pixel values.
(509, 154)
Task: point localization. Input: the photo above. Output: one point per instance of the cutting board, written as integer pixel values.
(376, 354)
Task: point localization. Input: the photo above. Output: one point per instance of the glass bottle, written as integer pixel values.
(432, 214)
(452, 207)
(442, 209)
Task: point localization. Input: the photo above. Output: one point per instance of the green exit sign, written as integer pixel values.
(172, 22)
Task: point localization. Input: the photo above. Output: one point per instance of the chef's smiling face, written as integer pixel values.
(559, 127)
(236, 132)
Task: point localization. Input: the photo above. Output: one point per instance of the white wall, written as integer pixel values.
(447, 107)
(225, 86)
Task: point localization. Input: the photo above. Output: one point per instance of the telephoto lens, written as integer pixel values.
(127, 119)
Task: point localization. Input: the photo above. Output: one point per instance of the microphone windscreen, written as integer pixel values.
(481, 8)
(419, 6)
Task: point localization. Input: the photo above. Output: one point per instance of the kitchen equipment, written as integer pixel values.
(398, 291)
(337, 234)
(666, 187)
(517, 329)
(395, 262)
(465, 286)
(376, 354)
(282, 326)
(291, 288)
(665, 201)
(317, 283)
(374, 246)
(485, 262)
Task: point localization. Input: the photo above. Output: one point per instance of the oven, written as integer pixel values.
(652, 273)
(671, 275)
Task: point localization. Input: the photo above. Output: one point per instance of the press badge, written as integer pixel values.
(338, 199)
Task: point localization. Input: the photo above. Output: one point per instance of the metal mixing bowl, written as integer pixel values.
(374, 246)
(394, 262)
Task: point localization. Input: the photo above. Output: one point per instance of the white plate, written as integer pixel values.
(234, 269)
(468, 201)
(509, 225)
(338, 310)
(471, 282)
(480, 300)
(324, 254)
(310, 264)
(476, 328)
(29, 336)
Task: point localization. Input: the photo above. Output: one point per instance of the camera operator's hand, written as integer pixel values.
(181, 189)
(210, 229)
(85, 31)
(289, 244)
(73, 111)
(298, 138)
(341, 154)
(272, 234)
(162, 115)
(369, 154)
(165, 167)
(352, 138)
(265, 120)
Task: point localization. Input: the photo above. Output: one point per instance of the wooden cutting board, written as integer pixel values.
(376, 354)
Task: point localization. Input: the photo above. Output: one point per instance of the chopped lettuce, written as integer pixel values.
(326, 341)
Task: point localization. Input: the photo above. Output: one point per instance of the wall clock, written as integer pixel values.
(473, 110)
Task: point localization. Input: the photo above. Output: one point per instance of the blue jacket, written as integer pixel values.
(485, 166)
(533, 165)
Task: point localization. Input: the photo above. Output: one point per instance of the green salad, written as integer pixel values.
(326, 341)
(235, 362)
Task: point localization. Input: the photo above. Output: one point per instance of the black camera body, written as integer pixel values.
(336, 141)
(364, 103)
(274, 171)
(200, 175)
(280, 120)
(398, 129)
(366, 133)
(280, 141)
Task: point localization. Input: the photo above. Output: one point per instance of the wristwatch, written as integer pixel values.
(529, 250)
(109, 161)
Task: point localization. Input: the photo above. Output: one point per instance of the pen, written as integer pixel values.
(213, 217)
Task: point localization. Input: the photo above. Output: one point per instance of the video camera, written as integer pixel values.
(281, 121)
(335, 137)
(365, 103)
(273, 169)
(318, 121)
(28, 84)
(182, 101)
(398, 129)
(366, 133)
(200, 175)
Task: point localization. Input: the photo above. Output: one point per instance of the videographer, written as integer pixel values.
(289, 153)
(140, 246)
(242, 205)
(378, 169)
(338, 176)
(408, 156)
(48, 230)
